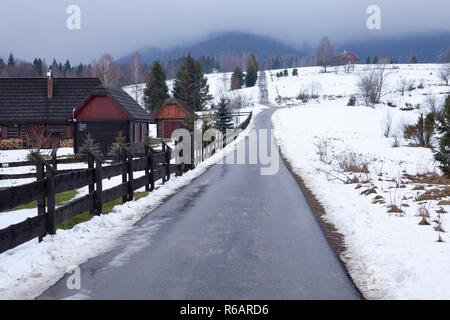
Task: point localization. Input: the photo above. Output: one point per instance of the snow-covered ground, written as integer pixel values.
(389, 254)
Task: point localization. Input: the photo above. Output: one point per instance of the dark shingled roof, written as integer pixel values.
(182, 104)
(25, 99)
(125, 101)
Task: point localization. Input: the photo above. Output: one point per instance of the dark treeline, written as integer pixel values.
(15, 68)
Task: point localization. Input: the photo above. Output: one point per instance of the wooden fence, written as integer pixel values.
(156, 165)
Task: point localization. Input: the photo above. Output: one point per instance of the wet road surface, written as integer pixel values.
(231, 234)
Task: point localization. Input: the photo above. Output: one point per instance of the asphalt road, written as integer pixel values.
(230, 234)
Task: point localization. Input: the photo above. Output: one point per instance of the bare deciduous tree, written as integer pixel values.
(372, 84)
(107, 71)
(324, 53)
(444, 73)
(444, 57)
(136, 74)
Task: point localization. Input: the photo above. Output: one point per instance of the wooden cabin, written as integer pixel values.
(69, 108)
(171, 116)
(105, 113)
(26, 103)
(344, 58)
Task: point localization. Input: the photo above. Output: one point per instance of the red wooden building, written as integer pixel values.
(105, 113)
(69, 108)
(171, 116)
(344, 58)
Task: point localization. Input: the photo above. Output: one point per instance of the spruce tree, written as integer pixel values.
(89, 146)
(80, 70)
(240, 75)
(414, 59)
(237, 79)
(37, 67)
(368, 60)
(252, 72)
(156, 91)
(224, 119)
(442, 153)
(375, 60)
(11, 61)
(191, 84)
(67, 67)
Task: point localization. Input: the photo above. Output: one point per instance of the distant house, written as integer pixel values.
(57, 103)
(105, 113)
(171, 116)
(344, 58)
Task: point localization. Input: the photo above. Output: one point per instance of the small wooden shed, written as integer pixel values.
(105, 113)
(171, 116)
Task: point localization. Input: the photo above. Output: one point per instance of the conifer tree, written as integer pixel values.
(237, 79)
(224, 119)
(11, 61)
(191, 84)
(156, 91)
(67, 66)
(414, 59)
(375, 60)
(368, 60)
(89, 146)
(295, 72)
(252, 72)
(442, 153)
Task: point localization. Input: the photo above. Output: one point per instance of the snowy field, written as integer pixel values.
(392, 214)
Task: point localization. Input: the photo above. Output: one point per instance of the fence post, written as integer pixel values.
(168, 156)
(124, 172)
(99, 187)
(163, 147)
(90, 160)
(54, 159)
(147, 172)
(130, 177)
(41, 202)
(51, 203)
(151, 164)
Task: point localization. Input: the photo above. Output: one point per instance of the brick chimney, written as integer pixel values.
(49, 84)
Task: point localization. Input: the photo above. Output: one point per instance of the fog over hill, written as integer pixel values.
(426, 45)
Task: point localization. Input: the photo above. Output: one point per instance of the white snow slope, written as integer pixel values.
(389, 255)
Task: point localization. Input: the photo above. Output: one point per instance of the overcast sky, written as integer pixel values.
(31, 28)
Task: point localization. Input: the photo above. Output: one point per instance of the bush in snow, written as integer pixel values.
(352, 101)
(387, 124)
(422, 131)
(442, 154)
(444, 73)
(371, 84)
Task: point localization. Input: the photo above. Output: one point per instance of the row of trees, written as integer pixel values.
(190, 86)
(238, 78)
